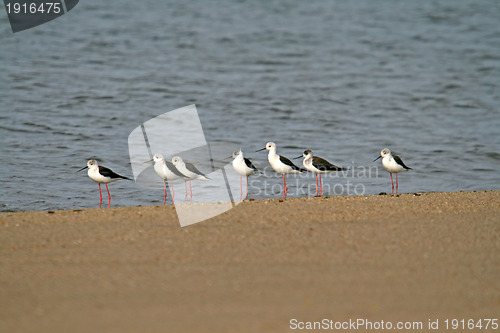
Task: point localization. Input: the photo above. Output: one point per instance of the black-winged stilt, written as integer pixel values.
(318, 166)
(244, 167)
(392, 164)
(102, 175)
(280, 164)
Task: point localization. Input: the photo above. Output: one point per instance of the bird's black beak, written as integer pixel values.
(377, 158)
(85, 167)
(296, 157)
(151, 160)
(260, 149)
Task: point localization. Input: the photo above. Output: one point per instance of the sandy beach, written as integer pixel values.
(416, 257)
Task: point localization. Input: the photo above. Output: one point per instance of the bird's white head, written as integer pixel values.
(385, 152)
(91, 164)
(270, 146)
(237, 153)
(158, 157)
(307, 153)
(176, 160)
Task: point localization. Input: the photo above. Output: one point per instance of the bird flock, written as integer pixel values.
(180, 169)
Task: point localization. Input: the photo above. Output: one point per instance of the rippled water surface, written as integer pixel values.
(343, 78)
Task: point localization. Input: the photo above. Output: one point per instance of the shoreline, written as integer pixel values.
(254, 267)
(277, 199)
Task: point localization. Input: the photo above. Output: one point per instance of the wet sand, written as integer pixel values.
(253, 268)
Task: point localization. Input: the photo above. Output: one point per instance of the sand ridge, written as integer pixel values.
(253, 268)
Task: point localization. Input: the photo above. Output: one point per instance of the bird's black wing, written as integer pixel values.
(400, 162)
(286, 161)
(172, 168)
(110, 173)
(323, 165)
(250, 164)
(192, 168)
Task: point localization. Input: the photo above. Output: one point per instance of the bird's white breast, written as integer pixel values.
(308, 165)
(390, 165)
(97, 177)
(240, 166)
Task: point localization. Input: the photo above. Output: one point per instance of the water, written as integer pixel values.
(344, 79)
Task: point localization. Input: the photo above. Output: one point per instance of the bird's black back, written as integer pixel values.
(250, 164)
(110, 173)
(172, 168)
(323, 165)
(286, 161)
(400, 162)
(192, 168)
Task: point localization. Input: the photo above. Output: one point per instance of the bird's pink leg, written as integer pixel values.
(109, 196)
(100, 196)
(186, 186)
(285, 189)
(321, 185)
(165, 185)
(397, 185)
(247, 190)
(392, 183)
(191, 191)
(173, 195)
(316, 185)
(241, 188)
